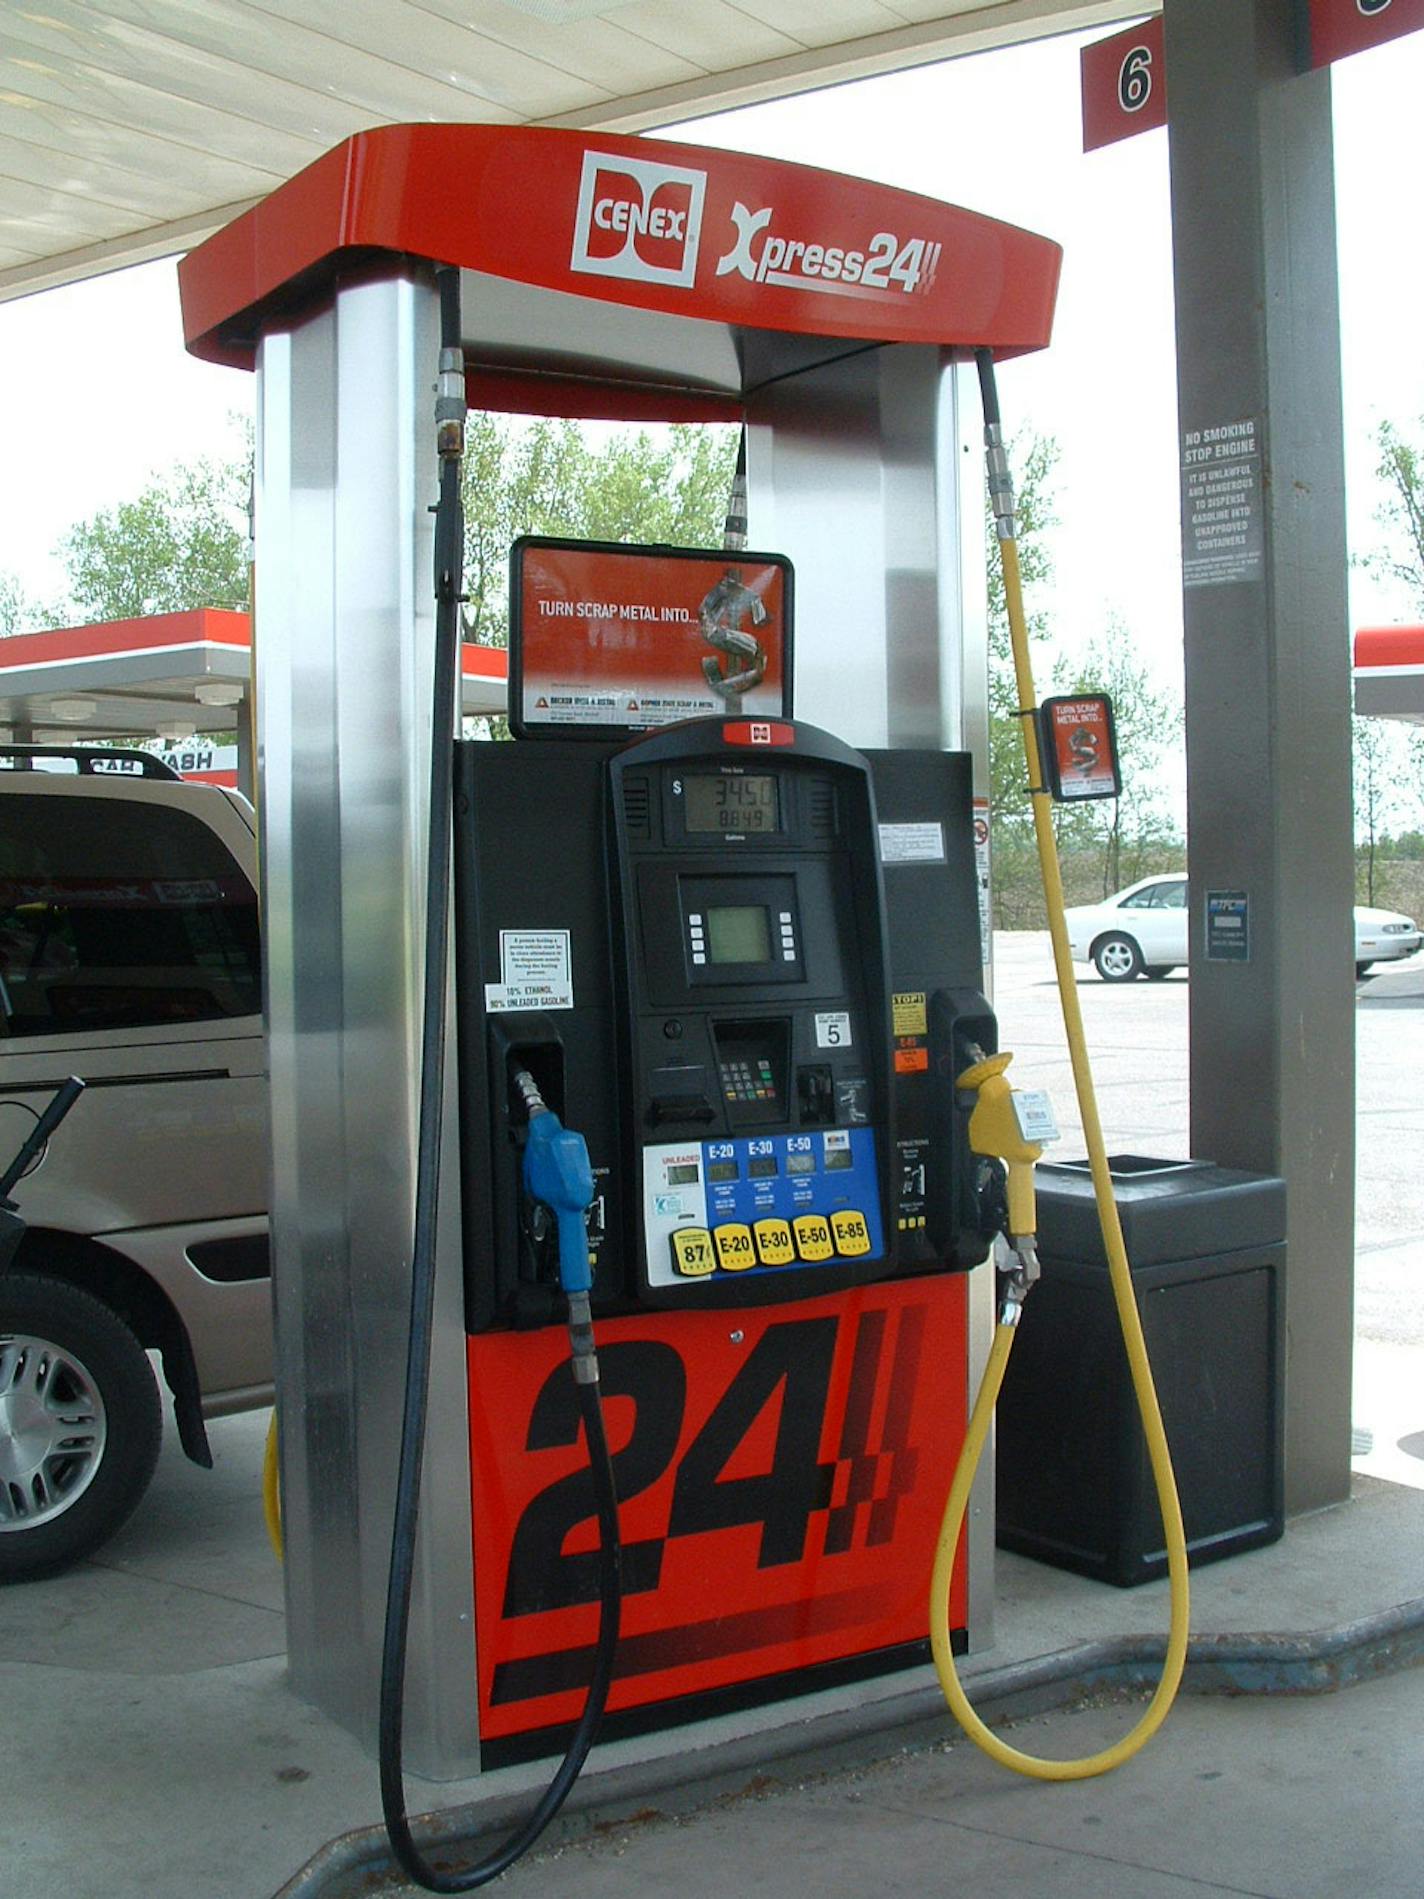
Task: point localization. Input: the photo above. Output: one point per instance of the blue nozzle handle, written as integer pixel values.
(557, 1172)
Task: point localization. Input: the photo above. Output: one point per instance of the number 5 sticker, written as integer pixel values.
(833, 1029)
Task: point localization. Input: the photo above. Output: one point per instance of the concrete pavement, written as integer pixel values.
(153, 1750)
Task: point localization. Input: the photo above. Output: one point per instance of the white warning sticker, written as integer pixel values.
(535, 969)
(912, 843)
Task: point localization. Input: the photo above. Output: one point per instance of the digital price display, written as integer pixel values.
(721, 801)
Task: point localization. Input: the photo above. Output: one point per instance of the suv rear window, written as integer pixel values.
(118, 914)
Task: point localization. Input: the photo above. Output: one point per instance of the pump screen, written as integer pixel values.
(682, 1175)
(719, 1171)
(738, 933)
(720, 802)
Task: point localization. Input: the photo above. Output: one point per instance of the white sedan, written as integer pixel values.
(1142, 931)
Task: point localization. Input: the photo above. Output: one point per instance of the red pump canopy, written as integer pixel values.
(644, 223)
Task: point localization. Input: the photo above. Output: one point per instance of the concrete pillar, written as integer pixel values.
(1268, 667)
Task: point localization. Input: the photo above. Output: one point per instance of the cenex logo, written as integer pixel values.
(637, 218)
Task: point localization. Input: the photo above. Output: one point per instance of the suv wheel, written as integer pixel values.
(1118, 958)
(80, 1424)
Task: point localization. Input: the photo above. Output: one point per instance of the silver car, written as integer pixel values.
(1142, 931)
(130, 956)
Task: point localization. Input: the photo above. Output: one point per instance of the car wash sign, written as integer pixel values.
(1125, 77)
(1341, 27)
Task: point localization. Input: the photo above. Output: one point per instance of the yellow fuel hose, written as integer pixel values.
(272, 1489)
(1119, 1271)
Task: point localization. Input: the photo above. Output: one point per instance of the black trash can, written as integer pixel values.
(1074, 1486)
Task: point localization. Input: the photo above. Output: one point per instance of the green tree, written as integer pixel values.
(1383, 766)
(515, 481)
(18, 613)
(545, 478)
(1128, 836)
(1017, 904)
(1401, 514)
(180, 543)
(1376, 787)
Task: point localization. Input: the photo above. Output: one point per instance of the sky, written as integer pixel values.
(97, 393)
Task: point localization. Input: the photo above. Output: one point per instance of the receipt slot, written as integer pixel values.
(754, 1014)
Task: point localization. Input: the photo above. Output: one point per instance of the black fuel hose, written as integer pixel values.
(449, 564)
(585, 1732)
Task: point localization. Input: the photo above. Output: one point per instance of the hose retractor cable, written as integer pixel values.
(1119, 1271)
(449, 563)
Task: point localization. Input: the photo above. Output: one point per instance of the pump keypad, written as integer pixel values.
(748, 1081)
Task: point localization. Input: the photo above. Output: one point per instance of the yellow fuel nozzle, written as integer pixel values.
(996, 1134)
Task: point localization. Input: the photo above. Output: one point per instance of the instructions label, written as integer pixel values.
(535, 970)
(912, 843)
(1223, 511)
(908, 1009)
(981, 878)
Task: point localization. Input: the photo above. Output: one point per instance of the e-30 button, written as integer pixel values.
(851, 1233)
(734, 1248)
(813, 1237)
(692, 1256)
(773, 1243)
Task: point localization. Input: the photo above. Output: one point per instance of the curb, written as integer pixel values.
(1323, 1662)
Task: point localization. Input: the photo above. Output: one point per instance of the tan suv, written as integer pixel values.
(129, 955)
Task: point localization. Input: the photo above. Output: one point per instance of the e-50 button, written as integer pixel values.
(734, 1248)
(773, 1243)
(851, 1233)
(692, 1256)
(813, 1236)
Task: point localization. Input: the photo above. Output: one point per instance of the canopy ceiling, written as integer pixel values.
(130, 129)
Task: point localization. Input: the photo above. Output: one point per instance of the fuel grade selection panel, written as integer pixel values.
(760, 1203)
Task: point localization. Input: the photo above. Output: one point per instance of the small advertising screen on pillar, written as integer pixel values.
(1078, 744)
(606, 640)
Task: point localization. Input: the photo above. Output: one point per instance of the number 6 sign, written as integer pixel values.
(1124, 85)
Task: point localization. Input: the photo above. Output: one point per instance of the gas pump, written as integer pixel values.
(784, 1200)
(744, 958)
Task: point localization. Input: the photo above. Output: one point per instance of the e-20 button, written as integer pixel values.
(734, 1248)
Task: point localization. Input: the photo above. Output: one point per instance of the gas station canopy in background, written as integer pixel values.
(164, 676)
(132, 129)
